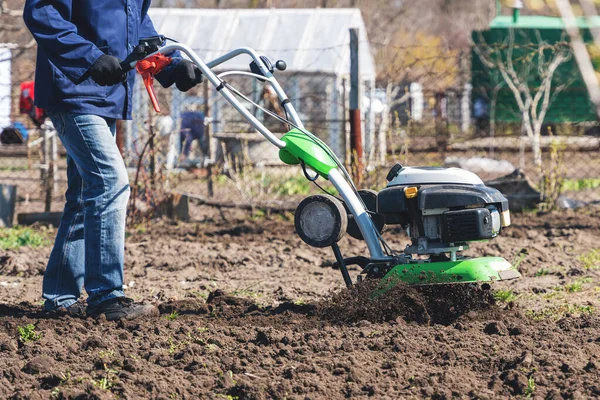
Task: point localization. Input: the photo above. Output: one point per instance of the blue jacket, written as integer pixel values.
(71, 36)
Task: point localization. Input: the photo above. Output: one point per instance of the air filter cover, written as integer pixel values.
(320, 220)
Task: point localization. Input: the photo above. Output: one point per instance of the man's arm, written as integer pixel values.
(49, 24)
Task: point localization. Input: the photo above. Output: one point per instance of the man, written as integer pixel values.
(192, 128)
(79, 81)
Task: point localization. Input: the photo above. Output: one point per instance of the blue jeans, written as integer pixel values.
(89, 246)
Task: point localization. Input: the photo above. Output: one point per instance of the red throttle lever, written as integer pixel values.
(148, 67)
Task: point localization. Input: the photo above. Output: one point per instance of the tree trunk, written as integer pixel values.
(536, 148)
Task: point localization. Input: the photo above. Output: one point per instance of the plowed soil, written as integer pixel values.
(248, 311)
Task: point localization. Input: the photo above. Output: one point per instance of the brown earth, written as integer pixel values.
(251, 312)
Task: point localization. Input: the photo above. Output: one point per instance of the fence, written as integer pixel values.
(321, 101)
(451, 131)
(436, 129)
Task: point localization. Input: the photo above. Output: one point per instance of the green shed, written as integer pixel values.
(571, 104)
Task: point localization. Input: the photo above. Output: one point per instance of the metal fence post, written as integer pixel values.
(207, 132)
(356, 145)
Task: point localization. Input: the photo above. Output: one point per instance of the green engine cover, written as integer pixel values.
(484, 269)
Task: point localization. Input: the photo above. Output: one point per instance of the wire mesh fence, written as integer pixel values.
(198, 129)
(449, 129)
(37, 168)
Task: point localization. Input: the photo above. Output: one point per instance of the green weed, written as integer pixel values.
(174, 346)
(521, 255)
(289, 187)
(557, 312)
(505, 296)
(591, 259)
(27, 333)
(104, 383)
(530, 388)
(228, 397)
(106, 354)
(299, 302)
(581, 184)
(258, 214)
(574, 287)
(14, 168)
(541, 272)
(246, 293)
(18, 236)
(197, 293)
(173, 316)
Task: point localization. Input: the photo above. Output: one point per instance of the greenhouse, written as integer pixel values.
(316, 78)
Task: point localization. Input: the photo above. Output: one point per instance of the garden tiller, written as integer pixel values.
(441, 209)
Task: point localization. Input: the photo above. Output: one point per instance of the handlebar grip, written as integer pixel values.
(145, 46)
(138, 53)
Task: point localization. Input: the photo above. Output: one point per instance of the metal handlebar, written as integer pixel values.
(205, 68)
(259, 67)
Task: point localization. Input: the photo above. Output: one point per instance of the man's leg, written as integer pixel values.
(188, 143)
(89, 140)
(63, 277)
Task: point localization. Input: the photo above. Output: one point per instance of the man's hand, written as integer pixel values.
(107, 71)
(186, 75)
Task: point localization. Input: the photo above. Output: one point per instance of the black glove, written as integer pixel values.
(107, 71)
(186, 75)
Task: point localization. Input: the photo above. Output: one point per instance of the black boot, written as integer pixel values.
(122, 307)
(76, 310)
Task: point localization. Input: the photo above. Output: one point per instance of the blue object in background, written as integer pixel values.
(22, 130)
(192, 128)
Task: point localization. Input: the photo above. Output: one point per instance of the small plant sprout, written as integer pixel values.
(13, 238)
(505, 296)
(530, 387)
(27, 333)
(559, 311)
(542, 272)
(591, 260)
(574, 287)
(520, 257)
(173, 316)
(103, 383)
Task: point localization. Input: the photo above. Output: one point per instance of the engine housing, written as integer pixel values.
(442, 208)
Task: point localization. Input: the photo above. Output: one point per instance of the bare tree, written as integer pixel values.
(528, 69)
(582, 56)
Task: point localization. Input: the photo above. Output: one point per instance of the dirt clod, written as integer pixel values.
(39, 365)
(496, 328)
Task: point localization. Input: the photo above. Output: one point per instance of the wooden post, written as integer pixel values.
(8, 197)
(345, 132)
(356, 146)
(441, 136)
(209, 155)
